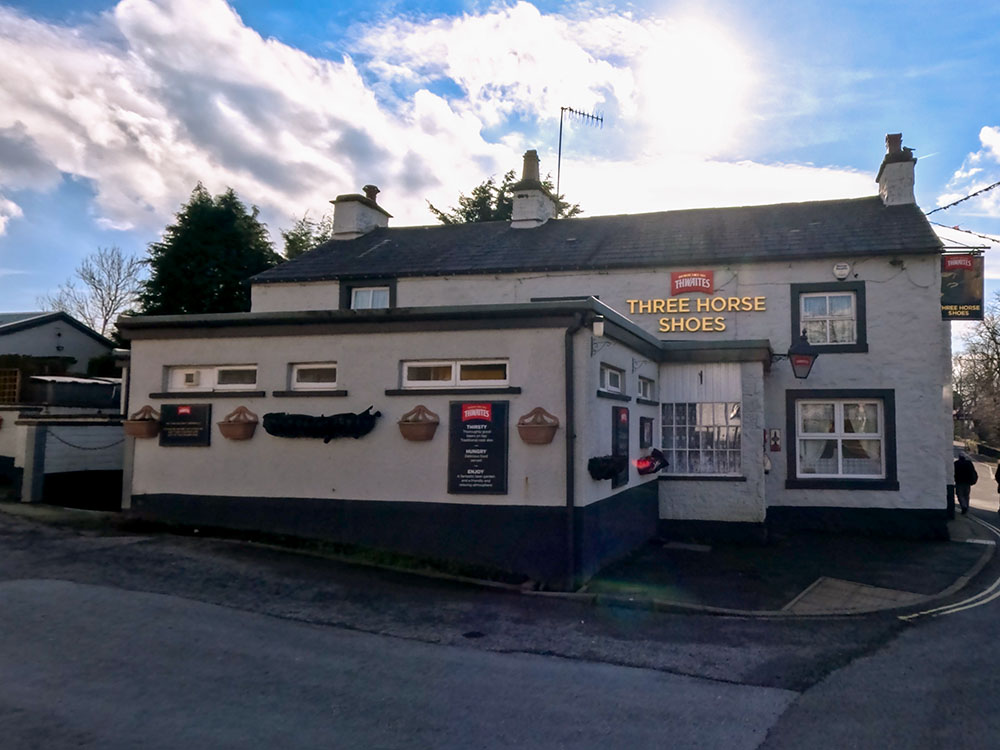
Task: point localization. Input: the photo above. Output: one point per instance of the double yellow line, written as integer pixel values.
(983, 597)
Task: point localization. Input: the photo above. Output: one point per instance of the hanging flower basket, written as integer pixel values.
(145, 423)
(418, 424)
(239, 424)
(537, 427)
(606, 467)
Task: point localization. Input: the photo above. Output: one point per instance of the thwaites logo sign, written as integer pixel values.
(477, 411)
(685, 282)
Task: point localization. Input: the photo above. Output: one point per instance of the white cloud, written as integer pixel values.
(159, 94)
(8, 210)
(980, 169)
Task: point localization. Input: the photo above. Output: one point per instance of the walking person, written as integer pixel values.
(965, 477)
(997, 477)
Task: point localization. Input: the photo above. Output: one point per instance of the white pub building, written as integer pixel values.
(545, 395)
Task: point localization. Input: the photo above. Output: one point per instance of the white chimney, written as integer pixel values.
(895, 176)
(355, 215)
(533, 206)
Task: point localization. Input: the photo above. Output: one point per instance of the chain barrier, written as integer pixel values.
(85, 447)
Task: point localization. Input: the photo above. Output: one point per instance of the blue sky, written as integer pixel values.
(111, 112)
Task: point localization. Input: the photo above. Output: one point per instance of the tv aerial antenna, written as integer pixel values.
(588, 119)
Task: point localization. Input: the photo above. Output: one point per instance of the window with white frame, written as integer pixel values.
(612, 379)
(212, 378)
(840, 438)
(702, 438)
(455, 373)
(369, 298)
(829, 317)
(311, 376)
(646, 389)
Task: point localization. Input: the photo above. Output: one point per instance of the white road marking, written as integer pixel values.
(983, 597)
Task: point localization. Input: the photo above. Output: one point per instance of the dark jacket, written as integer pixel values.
(965, 471)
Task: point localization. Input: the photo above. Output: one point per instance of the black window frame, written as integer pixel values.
(347, 289)
(888, 398)
(860, 311)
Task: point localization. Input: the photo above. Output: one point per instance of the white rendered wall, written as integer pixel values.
(908, 353)
(320, 295)
(594, 414)
(379, 466)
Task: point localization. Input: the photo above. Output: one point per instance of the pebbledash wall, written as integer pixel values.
(715, 350)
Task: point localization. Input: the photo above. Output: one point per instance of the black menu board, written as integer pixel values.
(477, 448)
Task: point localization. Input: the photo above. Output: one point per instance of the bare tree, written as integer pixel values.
(976, 375)
(109, 282)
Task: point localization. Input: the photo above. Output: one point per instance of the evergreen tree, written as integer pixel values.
(306, 234)
(491, 202)
(203, 261)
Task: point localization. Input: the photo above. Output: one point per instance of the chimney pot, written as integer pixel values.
(530, 170)
(533, 206)
(355, 214)
(895, 175)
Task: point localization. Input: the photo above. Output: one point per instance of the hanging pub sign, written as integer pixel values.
(185, 425)
(962, 287)
(477, 448)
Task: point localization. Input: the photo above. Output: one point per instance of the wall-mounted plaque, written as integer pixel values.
(185, 425)
(619, 442)
(477, 448)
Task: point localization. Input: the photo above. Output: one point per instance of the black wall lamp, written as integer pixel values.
(802, 355)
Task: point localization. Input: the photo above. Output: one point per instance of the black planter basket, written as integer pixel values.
(607, 467)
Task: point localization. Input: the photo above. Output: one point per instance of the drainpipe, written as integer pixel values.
(570, 454)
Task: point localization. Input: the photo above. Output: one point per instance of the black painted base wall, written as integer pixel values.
(610, 529)
(10, 475)
(928, 523)
(530, 541)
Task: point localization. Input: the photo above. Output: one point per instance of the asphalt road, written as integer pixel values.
(115, 639)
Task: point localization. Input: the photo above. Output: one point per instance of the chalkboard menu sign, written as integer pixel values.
(477, 448)
(185, 424)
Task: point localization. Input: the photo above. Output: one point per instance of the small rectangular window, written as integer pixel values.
(612, 379)
(211, 377)
(370, 298)
(646, 389)
(482, 373)
(314, 376)
(460, 373)
(235, 377)
(829, 318)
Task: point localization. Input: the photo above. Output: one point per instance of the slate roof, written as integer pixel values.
(17, 317)
(784, 231)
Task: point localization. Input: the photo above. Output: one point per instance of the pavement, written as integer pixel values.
(809, 574)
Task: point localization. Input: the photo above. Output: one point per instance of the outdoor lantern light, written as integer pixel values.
(802, 354)
(599, 326)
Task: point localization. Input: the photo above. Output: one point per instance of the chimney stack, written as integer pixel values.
(355, 215)
(895, 176)
(533, 205)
